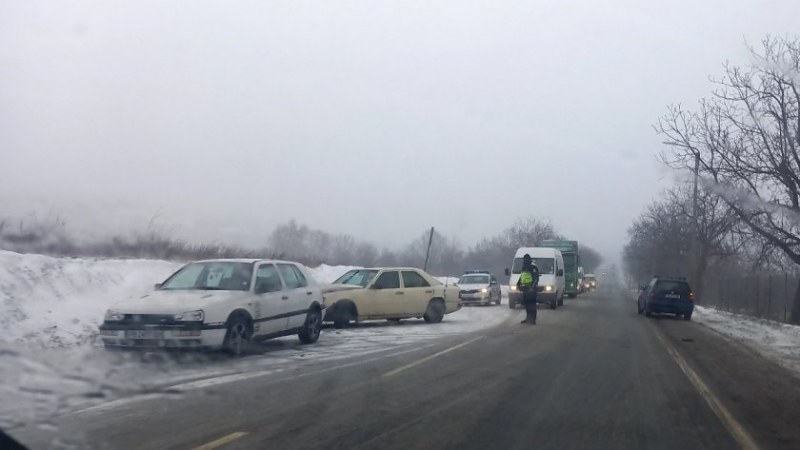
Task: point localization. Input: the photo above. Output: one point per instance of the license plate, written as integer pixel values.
(144, 334)
(672, 296)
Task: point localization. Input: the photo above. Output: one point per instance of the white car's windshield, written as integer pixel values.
(215, 275)
(357, 277)
(474, 279)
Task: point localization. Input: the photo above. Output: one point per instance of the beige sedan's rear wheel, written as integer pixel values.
(435, 311)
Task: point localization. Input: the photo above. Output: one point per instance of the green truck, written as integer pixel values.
(572, 261)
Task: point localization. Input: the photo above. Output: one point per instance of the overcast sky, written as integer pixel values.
(374, 118)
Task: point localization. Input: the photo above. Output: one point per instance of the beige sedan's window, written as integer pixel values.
(413, 279)
(388, 280)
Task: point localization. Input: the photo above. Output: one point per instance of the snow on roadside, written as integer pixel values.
(57, 302)
(777, 341)
(60, 301)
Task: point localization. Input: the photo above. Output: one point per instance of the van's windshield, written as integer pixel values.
(545, 265)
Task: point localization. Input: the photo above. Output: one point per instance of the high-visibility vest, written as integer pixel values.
(526, 279)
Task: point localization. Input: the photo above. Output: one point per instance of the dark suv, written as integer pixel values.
(667, 295)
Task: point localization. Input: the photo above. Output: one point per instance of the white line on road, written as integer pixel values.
(119, 402)
(734, 426)
(429, 357)
(208, 382)
(221, 441)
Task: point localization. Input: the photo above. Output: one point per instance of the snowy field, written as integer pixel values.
(50, 362)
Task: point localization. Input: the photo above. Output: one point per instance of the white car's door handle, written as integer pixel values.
(429, 292)
(285, 297)
(309, 293)
(398, 293)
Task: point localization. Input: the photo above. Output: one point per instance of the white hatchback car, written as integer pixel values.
(220, 304)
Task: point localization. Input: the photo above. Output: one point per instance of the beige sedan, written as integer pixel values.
(391, 293)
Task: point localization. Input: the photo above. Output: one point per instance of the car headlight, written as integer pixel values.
(548, 288)
(484, 290)
(513, 287)
(190, 316)
(114, 316)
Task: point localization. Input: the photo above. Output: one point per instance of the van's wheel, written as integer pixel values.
(560, 300)
(553, 303)
(435, 312)
(511, 303)
(311, 328)
(238, 337)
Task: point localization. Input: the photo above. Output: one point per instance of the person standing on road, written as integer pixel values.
(528, 279)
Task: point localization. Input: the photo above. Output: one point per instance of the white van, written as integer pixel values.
(550, 289)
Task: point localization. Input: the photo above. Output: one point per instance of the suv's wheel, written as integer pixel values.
(435, 312)
(499, 298)
(647, 312)
(311, 328)
(238, 336)
(687, 316)
(639, 309)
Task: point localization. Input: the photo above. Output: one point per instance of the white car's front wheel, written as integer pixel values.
(238, 336)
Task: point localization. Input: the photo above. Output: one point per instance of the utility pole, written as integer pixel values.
(428, 253)
(695, 224)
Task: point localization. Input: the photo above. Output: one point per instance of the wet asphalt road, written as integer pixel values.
(592, 374)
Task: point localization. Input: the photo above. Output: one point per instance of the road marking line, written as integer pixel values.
(208, 382)
(221, 441)
(429, 357)
(728, 420)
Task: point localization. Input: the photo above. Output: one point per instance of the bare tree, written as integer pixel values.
(747, 139)
(657, 242)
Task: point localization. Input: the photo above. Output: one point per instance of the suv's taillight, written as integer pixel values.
(652, 294)
(691, 295)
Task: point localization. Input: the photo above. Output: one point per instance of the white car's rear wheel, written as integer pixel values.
(311, 328)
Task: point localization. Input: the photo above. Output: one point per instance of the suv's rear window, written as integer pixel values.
(672, 287)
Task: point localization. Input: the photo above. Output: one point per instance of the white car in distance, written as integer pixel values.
(477, 286)
(220, 304)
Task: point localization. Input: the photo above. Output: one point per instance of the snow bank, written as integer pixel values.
(58, 302)
(777, 341)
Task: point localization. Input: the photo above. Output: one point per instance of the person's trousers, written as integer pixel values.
(529, 301)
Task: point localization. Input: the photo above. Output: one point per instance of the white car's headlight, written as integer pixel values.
(548, 288)
(190, 316)
(513, 287)
(114, 316)
(484, 290)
